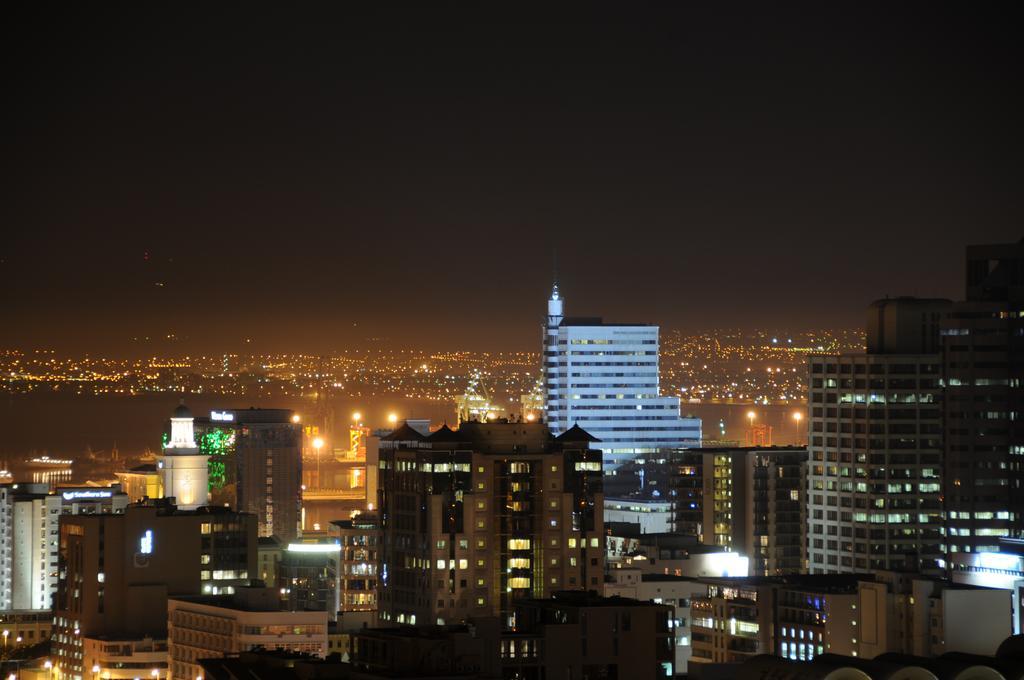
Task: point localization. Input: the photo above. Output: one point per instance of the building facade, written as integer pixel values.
(29, 520)
(475, 518)
(875, 442)
(748, 500)
(257, 456)
(797, 617)
(308, 576)
(117, 571)
(360, 540)
(604, 378)
(211, 627)
(983, 370)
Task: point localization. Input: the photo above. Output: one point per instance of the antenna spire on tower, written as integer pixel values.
(554, 273)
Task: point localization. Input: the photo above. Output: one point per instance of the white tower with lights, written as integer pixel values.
(184, 469)
(605, 378)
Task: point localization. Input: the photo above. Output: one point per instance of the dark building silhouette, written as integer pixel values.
(983, 368)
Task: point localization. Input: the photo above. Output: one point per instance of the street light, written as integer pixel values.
(392, 418)
(6, 633)
(155, 673)
(797, 417)
(751, 415)
(296, 418)
(357, 416)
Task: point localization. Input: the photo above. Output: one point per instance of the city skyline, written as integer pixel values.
(309, 171)
(361, 342)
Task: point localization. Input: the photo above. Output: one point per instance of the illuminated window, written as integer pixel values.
(518, 544)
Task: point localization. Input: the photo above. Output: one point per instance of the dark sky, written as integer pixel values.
(311, 179)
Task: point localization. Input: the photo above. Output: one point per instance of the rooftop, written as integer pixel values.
(587, 598)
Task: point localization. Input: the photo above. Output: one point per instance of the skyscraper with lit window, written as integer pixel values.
(604, 378)
(983, 368)
(256, 465)
(475, 518)
(874, 488)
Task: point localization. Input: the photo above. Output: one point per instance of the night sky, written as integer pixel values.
(310, 180)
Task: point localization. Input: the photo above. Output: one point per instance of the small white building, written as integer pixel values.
(217, 626)
(655, 516)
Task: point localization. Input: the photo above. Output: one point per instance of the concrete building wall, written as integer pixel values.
(203, 630)
(964, 630)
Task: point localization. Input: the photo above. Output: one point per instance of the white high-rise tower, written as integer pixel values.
(184, 469)
(604, 377)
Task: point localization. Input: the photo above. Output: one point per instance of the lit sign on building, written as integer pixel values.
(222, 416)
(728, 564)
(314, 547)
(85, 494)
(146, 543)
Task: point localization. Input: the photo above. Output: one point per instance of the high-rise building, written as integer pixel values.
(983, 370)
(307, 575)
(183, 466)
(475, 518)
(29, 519)
(748, 500)
(117, 571)
(604, 378)
(875, 431)
(359, 538)
(256, 465)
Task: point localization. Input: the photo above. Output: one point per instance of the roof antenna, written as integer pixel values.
(554, 272)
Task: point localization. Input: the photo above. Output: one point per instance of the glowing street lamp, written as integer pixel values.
(798, 416)
(6, 634)
(392, 418)
(296, 418)
(96, 670)
(357, 416)
(750, 416)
